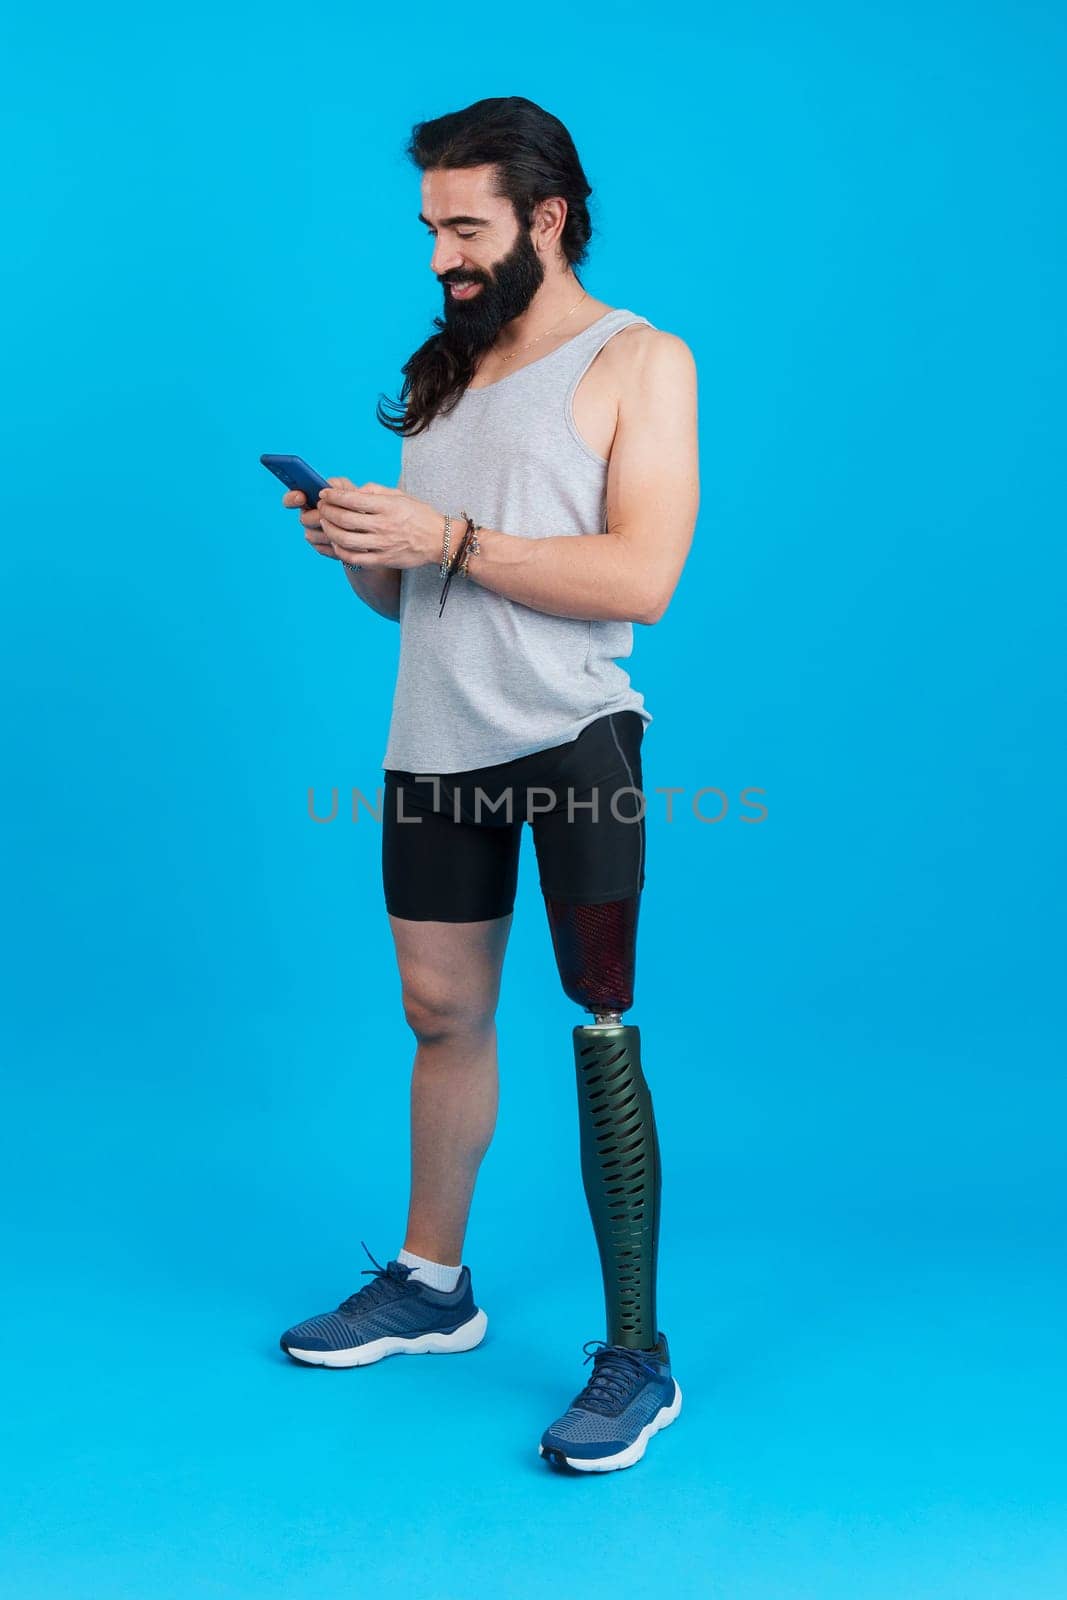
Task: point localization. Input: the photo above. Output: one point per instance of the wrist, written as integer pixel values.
(454, 558)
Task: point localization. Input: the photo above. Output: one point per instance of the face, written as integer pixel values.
(479, 246)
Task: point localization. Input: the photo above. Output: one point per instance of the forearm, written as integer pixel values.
(378, 587)
(591, 576)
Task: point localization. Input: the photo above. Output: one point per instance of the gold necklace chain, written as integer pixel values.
(559, 324)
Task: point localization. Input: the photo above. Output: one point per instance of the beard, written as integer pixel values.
(471, 326)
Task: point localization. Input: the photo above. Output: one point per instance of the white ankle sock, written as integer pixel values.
(431, 1272)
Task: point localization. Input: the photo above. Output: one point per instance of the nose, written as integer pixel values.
(445, 258)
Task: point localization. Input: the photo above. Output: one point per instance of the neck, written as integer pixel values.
(552, 302)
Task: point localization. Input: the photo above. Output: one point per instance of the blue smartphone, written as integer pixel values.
(296, 474)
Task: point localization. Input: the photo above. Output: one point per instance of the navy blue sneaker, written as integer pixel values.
(392, 1315)
(629, 1397)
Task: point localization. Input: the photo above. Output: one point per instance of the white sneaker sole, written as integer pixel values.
(633, 1452)
(465, 1337)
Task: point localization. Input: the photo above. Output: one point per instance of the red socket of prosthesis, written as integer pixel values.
(596, 951)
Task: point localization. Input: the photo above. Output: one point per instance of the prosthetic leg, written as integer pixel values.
(595, 948)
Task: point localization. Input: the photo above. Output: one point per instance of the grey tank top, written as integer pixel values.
(491, 680)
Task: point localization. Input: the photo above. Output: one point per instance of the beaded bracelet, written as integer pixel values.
(472, 547)
(448, 541)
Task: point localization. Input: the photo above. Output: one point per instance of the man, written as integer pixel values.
(547, 500)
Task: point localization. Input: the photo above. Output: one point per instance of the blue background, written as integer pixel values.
(851, 1013)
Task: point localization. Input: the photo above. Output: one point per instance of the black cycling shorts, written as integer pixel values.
(438, 868)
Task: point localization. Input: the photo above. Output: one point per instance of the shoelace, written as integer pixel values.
(381, 1287)
(614, 1371)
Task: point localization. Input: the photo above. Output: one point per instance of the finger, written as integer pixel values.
(337, 518)
(364, 558)
(354, 549)
(365, 499)
(343, 517)
(294, 497)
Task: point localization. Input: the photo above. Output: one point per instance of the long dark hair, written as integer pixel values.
(534, 158)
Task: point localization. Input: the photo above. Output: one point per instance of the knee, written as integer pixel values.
(432, 1013)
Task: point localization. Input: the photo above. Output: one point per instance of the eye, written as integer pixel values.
(431, 233)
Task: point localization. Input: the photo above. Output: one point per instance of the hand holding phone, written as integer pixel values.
(295, 473)
(303, 492)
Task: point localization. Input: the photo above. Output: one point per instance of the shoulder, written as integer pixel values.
(646, 352)
(652, 368)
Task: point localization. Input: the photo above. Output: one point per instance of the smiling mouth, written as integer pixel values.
(462, 291)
